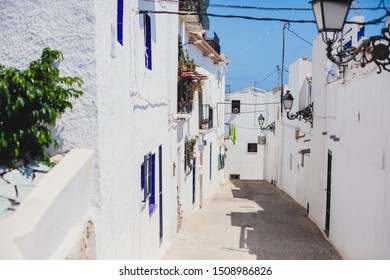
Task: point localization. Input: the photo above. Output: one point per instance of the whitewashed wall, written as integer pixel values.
(213, 90)
(239, 161)
(273, 140)
(123, 113)
(352, 109)
(133, 124)
(28, 26)
(296, 136)
(60, 208)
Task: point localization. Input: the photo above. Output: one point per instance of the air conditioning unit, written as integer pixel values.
(261, 139)
(235, 111)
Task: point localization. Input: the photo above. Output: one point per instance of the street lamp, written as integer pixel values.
(330, 17)
(304, 114)
(270, 127)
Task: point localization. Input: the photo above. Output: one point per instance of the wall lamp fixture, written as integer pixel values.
(304, 114)
(330, 17)
(270, 127)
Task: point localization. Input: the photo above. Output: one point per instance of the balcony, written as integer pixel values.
(206, 121)
(195, 22)
(214, 43)
(189, 6)
(185, 95)
(205, 47)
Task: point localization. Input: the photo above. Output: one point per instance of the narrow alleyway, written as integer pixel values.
(250, 220)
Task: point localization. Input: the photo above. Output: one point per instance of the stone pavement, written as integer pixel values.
(249, 220)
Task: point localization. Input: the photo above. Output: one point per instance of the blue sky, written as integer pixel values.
(255, 47)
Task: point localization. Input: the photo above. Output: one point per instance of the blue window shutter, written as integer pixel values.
(145, 178)
(119, 23)
(142, 176)
(153, 179)
(148, 41)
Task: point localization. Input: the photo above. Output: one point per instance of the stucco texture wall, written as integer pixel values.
(354, 110)
(249, 165)
(69, 27)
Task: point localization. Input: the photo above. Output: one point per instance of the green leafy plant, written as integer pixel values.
(191, 148)
(30, 102)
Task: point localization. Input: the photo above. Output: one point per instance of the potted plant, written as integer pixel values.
(205, 123)
(191, 148)
(195, 85)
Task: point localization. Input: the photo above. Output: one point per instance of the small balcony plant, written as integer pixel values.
(205, 123)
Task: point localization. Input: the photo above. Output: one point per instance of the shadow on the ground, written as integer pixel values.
(281, 230)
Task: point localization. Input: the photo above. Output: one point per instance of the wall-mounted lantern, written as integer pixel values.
(330, 17)
(304, 114)
(270, 127)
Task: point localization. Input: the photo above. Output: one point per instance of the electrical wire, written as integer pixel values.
(249, 112)
(224, 16)
(241, 103)
(371, 22)
(288, 28)
(273, 8)
(256, 83)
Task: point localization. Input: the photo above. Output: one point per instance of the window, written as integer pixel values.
(252, 147)
(148, 169)
(303, 153)
(221, 159)
(211, 160)
(211, 117)
(119, 22)
(227, 131)
(235, 106)
(185, 96)
(148, 41)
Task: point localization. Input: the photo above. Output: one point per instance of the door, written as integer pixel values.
(160, 191)
(178, 183)
(328, 192)
(201, 181)
(193, 180)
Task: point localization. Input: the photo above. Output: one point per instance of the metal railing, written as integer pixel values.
(214, 43)
(189, 5)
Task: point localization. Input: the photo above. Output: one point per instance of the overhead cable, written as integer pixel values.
(381, 6)
(371, 22)
(288, 28)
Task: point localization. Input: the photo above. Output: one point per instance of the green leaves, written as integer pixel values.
(30, 102)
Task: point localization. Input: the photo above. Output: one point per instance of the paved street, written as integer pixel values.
(250, 220)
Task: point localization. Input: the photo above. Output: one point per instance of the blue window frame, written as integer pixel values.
(148, 41)
(148, 181)
(152, 198)
(119, 22)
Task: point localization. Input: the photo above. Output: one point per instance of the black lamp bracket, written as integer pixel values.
(305, 114)
(373, 49)
(270, 127)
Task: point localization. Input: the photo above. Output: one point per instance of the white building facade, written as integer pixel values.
(246, 142)
(128, 114)
(337, 167)
(197, 119)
